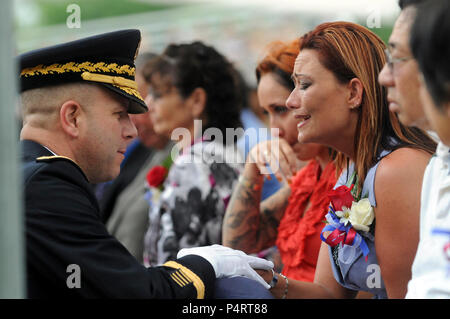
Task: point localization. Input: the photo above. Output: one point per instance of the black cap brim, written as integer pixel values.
(137, 105)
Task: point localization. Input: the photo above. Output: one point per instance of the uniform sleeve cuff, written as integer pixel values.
(199, 271)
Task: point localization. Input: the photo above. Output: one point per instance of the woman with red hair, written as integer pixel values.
(293, 217)
(372, 226)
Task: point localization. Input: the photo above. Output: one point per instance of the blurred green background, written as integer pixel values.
(54, 12)
(239, 29)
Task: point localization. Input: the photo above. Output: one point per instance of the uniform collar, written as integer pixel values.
(32, 150)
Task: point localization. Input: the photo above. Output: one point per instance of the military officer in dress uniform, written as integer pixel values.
(75, 99)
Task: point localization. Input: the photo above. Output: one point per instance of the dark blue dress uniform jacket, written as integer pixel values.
(63, 227)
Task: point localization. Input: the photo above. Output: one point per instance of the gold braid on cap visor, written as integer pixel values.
(78, 67)
(88, 70)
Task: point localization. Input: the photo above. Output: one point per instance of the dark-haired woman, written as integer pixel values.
(194, 98)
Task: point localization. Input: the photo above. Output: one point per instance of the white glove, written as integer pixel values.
(228, 262)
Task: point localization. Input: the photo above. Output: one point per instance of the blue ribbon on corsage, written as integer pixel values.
(341, 234)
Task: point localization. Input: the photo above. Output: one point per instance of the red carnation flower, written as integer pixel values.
(156, 176)
(341, 196)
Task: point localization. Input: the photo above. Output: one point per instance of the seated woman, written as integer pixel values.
(373, 221)
(193, 91)
(293, 217)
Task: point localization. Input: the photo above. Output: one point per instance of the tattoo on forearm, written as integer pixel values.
(252, 225)
(237, 219)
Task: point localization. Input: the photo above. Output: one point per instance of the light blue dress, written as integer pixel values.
(349, 265)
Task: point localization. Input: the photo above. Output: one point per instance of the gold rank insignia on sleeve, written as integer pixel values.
(180, 278)
(183, 276)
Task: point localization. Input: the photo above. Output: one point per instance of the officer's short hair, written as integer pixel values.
(40, 105)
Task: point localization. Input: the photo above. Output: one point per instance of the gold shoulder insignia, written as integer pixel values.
(53, 158)
(184, 276)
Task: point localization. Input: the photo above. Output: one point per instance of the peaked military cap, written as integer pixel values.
(107, 59)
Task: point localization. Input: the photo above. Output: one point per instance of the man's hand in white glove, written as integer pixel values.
(228, 262)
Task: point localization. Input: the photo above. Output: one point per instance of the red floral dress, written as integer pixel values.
(299, 231)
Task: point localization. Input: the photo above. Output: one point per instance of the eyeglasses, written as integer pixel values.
(391, 61)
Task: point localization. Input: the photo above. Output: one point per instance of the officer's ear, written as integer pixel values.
(69, 117)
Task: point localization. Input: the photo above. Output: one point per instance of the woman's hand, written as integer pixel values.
(248, 224)
(267, 275)
(274, 156)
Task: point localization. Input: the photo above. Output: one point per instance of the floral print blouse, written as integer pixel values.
(189, 210)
